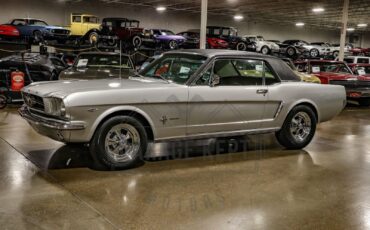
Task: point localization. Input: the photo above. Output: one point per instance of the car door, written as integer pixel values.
(235, 103)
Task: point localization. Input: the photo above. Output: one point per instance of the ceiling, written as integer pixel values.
(286, 12)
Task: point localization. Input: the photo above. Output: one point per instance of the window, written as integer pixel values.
(19, 22)
(174, 68)
(349, 60)
(38, 23)
(76, 19)
(123, 24)
(102, 60)
(205, 77)
(216, 32)
(241, 72)
(90, 19)
(225, 32)
(363, 60)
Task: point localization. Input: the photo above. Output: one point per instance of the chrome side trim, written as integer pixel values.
(281, 106)
(219, 134)
(49, 123)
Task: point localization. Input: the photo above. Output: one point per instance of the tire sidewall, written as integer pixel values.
(265, 48)
(286, 138)
(90, 38)
(97, 146)
(293, 53)
(136, 38)
(241, 44)
(316, 51)
(173, 47)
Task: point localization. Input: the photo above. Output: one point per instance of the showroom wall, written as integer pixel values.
(58, 12)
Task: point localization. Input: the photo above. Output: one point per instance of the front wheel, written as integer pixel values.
(241, 46)
(265, 50)
(119, 143)
(291, 52)
(298, 129)
(172, 45)
(93, 38)
(314, 53)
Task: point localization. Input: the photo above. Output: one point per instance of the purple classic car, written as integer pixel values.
(166, 38)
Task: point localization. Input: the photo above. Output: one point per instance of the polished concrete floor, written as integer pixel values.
(45, 185)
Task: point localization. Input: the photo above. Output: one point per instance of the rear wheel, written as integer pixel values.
(37, 37)
(335, 54)
(3, 101)
(298, 129)
(173, 45)
(119, 143)
(93, 38)
(314, 53)
(291, 52)
(136, 41)
(241, 46)
(265, 50)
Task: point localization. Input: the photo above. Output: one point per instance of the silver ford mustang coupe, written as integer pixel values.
(182, 95)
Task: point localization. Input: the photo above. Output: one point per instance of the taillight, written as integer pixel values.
(9, 30)
(17, 80)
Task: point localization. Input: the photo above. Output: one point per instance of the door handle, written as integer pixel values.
(262, 91)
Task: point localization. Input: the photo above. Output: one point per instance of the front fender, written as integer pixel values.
(116, 109)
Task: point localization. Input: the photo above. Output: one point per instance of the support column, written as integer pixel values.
(343, 33)
(203, 24)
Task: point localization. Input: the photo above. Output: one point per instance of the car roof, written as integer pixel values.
(214, 52)
(121, 19)
(319, 61)
(104, 53)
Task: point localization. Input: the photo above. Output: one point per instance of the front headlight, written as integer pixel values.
(54, 106)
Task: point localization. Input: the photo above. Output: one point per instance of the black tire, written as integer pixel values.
(291, 52)
(172, 45)
(99, 149)
(314, 53)
(335, 54)
(364, 102)
(265, 50)
(136, 41)
(288, 136)
(242, 46)
(3, 101)
(93, 38)
(37, 37)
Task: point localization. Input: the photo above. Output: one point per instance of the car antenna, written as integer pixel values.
(120, 59)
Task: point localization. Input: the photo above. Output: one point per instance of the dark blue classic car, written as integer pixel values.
(33, 30)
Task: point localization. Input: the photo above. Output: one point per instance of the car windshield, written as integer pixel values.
(37, 23)
(260, 38)
(177, 68)
(362, 70)
(330, 67)
(103, 60)
(167, 32)
(252, 39)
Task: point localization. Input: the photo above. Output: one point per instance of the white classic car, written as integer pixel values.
(182, 95)
(263, 46)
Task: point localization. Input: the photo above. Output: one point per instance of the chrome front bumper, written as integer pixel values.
(56, 129)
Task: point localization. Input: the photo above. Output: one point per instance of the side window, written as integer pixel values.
(363, 60)
(243, 72)
(205, 77)
(76, 19)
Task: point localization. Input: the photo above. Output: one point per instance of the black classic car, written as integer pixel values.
(20, 70)
(98, 65)
(293, 48)
(230, 35)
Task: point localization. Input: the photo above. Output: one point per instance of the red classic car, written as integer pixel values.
(338, 73)
(360, 51)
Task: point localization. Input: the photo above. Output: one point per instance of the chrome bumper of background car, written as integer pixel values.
(49, 123)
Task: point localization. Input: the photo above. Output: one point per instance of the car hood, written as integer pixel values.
(65, 88)
(94, 73)
(335, 76)
(55, 27)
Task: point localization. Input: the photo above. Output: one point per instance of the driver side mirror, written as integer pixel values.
(215, 80)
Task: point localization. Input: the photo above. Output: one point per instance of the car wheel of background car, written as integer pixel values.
(314, 53)
(364, 102)
(119, 143)
(335, 54)
(93, 38)
(241, 46)
(172, 45)
(298, 129)
(265, 50)
(3, 101)
(37, 37)
(291, 52)
(54, 76)
(137, 41)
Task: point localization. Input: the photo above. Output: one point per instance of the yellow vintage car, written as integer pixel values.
(85, 26)
(304, 76)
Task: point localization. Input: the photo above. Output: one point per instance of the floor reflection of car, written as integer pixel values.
(98, 65)
(189, 94)
(304, 76)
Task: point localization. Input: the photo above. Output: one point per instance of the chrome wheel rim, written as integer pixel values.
(241, 46)
(136, 42)
(265, 50)
(122, 143)
(314, 53)
(300, 126)
(93, 38)
(173, 44)
(291, 51)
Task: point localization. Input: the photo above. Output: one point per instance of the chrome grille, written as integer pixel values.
(34, 102)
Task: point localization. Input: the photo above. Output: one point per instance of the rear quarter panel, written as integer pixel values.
(328, 100)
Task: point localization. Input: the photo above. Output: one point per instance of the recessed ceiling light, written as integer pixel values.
(161, 8)
(362, 25)
(350, 29)
(299, 24)
(318, 10)
(238, 17)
